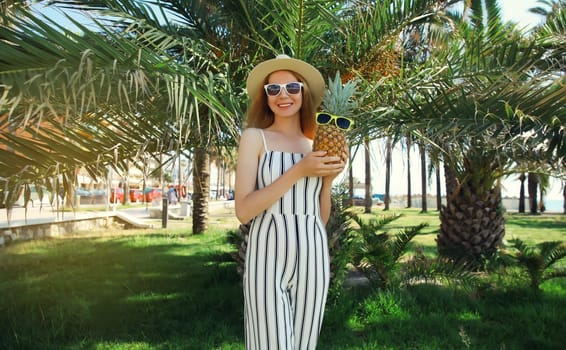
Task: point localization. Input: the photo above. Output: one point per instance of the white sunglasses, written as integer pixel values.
(293, 88)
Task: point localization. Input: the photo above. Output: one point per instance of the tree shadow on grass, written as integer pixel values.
(158, 290)
(538, 222)
(163, 291)
(435, 317)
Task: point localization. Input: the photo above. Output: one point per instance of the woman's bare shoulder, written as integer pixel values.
(251, 134)
(252, 141)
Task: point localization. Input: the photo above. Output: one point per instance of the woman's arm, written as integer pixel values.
(249, 200)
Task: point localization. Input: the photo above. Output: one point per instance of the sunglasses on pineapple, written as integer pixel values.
(341, 122)
(293, 88)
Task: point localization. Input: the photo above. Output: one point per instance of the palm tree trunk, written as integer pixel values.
(409, 192)
(164, 199)
(218, 164)
(438, 189)
(368, 201)
(472, 225)
(522, 178)
(532, 185)
(387, 198)
(201, 188)
(423, 177)
(543, 184)
(180, 175)
(71, 189)
(541, 205)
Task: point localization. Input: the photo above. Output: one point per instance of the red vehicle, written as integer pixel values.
(136, 196)
(116, 195)
(152, 193)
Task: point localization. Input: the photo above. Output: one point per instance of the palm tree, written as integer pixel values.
(540, 262)
(388, 152)
(522, 179)
(422, 149)
(367, 166)
(201, 188)
(409, 193)
(537, 184)
(61, 103)
(438, 184)
(371, 51)
(544, 182)
(476, 108)
(171, 70)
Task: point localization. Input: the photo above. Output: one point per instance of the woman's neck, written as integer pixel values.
(287, 125)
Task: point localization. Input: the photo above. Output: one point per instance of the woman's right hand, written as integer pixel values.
(317, 164)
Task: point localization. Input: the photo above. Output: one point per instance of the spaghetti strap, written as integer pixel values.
(264, 142)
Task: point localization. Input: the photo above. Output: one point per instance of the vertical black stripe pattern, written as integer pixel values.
(287, 272)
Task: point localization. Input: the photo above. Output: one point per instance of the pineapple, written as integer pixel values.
(337, 100)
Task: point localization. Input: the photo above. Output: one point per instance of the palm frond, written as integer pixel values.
(555, 273)
(552, 252)
(539, 260)
(441, 271)
(55, 82)
(377, 253)
(401, 240)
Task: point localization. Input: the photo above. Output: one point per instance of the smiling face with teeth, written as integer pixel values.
(270, 105)
(284, 104)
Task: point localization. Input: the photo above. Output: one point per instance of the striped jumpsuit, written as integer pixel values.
(287, 264)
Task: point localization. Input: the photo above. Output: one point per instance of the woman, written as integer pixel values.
(283, 188)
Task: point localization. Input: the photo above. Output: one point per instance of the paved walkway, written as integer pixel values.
(21, 216)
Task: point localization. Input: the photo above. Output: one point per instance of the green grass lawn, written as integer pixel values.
(143, 291)
(531, 229)
(167, 289)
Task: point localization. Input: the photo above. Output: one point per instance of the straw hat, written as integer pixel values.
(312, 76)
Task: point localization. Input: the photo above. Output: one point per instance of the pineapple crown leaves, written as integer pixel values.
(340, 99)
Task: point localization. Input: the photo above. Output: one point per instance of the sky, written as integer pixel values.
(517, 11)
(512, 10)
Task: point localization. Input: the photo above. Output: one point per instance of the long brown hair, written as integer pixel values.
(259, 114)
